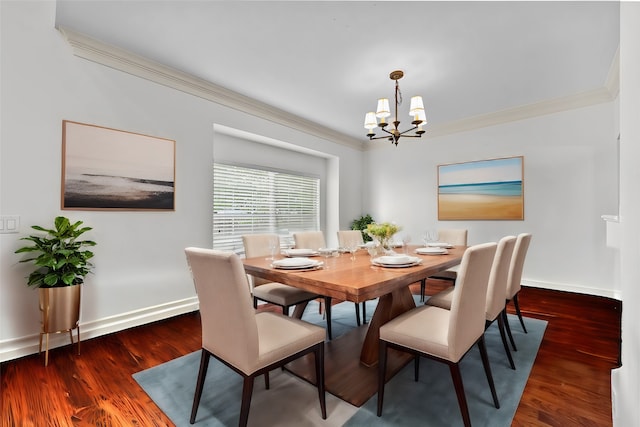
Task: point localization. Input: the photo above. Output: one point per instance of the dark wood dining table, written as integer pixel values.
(348, 376)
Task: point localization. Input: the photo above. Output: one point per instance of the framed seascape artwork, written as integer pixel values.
(483, 189)
(110, 169)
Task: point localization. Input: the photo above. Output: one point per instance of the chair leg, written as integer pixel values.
(487, 370)
(319, 356)
(202, 374)
(517, 305)
(423, 286)
(364, 312)
(266, 380)
(503, 336)
(416, 367)
(454, 368)
(255, 303)
(357, 313)
(327, 310)
(382, 373)
(508, 328)
(285, 310)
(247, 391)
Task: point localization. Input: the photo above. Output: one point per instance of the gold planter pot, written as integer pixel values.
(60, 309)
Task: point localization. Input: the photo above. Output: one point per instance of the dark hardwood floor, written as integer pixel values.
(570, 384)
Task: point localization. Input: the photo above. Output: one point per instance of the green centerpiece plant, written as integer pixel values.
(383, 233)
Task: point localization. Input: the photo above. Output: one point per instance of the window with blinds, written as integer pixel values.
(250, 201)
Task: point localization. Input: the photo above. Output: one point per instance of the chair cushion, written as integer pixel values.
(442, 299)
(424, 328)
(281, 294)
(281, 336)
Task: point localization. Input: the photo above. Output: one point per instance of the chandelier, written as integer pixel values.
(416, 111)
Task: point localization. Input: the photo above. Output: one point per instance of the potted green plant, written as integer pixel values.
(61, 263)
(361, 224)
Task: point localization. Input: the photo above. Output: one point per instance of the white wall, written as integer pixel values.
(570, 180)
(140, 272)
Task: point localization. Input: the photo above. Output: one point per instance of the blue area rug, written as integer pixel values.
(293, 402)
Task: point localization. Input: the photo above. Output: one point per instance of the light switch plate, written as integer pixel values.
(9, 224)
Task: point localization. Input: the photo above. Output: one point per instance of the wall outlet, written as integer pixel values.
(9, 224)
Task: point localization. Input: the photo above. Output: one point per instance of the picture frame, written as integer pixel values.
(490, 189)
(111, 169)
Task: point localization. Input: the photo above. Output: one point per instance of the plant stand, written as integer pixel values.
(60, 309)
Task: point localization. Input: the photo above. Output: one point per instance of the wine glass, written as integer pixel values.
(430, 236)
(326, 253)
(273, 249)
(406, 239)
(352, 247)
(426, 238)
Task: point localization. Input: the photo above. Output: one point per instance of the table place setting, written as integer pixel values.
(396, 261)
(300, 252)
(440, 245)
(432, 251)
(297, 263)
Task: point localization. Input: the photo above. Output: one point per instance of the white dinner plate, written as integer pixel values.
(397, 261)
(300, 252)
(432, 251)
(296, 263)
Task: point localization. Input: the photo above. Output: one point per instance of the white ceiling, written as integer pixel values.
(328, 62)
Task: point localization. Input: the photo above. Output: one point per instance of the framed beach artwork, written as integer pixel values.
(110, 169)
(484, 189)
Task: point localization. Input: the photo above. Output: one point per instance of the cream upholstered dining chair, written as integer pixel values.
(514, 282)
(445, 335)
(455, 237)
(495, 303)
(309, 240)
(285, 296)
(244, 340)
(315, 240)
(346, 236)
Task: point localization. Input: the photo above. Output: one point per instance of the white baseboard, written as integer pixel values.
(24, 346)
(609, 293)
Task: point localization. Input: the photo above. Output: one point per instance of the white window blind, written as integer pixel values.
(249, 201)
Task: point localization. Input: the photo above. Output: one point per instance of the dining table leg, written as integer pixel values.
(297, 312)
(389, 307)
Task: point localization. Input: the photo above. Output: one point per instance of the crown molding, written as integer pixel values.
(537, 109)
(123, 60)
